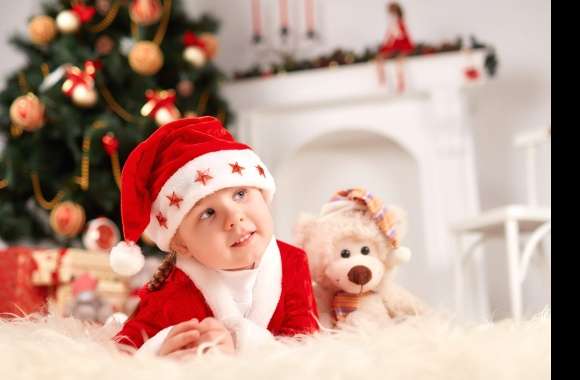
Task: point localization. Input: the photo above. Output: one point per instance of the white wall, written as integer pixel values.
(518, 99)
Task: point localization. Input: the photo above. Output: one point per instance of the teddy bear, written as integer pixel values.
(353, 249)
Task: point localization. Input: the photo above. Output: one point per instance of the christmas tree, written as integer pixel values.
(101, 77)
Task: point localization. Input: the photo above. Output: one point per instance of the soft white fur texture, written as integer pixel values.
(432, 347)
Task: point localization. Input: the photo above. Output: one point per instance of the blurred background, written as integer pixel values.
(320, 91)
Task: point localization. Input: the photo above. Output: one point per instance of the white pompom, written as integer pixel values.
(126, 259)
(402, 254)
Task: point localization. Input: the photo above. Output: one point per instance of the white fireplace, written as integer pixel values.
(328, 129)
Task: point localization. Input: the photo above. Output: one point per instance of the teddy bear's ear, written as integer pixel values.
(304, 224)
(401, 220)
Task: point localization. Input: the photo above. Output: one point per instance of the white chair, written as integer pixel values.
(511, 222)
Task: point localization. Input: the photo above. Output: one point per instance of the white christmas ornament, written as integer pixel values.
(194, 55)
(83, 96)
(165, 115)
(126, 259)
(68, 22)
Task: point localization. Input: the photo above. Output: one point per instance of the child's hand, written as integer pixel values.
(214, 331)
(182, 336)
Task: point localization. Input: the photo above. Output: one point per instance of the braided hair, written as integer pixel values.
(162, 272)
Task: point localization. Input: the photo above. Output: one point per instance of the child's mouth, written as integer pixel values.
(245, 240)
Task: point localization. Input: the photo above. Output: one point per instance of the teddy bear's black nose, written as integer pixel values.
(360, 275)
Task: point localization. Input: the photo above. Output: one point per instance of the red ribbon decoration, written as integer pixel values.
(157, 100)
(76, 76)
(84, 12)
(191, 39)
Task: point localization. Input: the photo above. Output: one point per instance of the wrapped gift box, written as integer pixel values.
(18, 294)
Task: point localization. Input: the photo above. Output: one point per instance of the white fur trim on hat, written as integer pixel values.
(183, 183)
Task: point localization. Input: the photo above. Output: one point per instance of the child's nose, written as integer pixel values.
(233, 220)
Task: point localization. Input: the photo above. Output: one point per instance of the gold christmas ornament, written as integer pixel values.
(42, 30)
(27, 112)
(146, 58)
(67, 219)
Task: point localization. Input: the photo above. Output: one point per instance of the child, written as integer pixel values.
(204, 198)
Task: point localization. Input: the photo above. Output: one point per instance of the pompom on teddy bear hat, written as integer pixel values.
(168, 173)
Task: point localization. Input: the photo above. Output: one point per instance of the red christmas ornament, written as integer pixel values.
(84, 12)
(110, 143)
(145, 12)
(472, 73)
(160, 106)
(102, 234)
(80, 84)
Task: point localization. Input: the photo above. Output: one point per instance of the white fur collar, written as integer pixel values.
(266, 293)
(247, 332)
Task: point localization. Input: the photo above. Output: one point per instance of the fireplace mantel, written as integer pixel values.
(289, 120)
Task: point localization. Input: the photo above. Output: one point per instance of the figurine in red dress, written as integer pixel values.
(397, 43)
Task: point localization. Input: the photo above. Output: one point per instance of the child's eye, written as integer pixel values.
(207, 213)
(241, 194)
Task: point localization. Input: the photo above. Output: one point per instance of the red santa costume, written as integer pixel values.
(162, 179)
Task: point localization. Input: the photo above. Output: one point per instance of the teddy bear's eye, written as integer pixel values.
(345, 253)
(365, 250)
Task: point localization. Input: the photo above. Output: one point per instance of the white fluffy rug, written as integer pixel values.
(420, 348)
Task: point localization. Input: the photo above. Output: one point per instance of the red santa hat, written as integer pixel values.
(165, 175)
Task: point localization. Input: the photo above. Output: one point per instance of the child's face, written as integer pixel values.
(215, 231)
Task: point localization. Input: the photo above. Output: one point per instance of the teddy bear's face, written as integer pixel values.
(354, 265)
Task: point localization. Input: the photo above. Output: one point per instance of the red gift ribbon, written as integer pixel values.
(191, 39)
(158, 100)
(75, 76)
